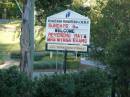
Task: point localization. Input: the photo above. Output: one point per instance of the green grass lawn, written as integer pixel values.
(9, 46)
(46, 62)
(8, 41)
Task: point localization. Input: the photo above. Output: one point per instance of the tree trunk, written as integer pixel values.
(113, 90)
(124, 90)
(26, 39)
(5, 13)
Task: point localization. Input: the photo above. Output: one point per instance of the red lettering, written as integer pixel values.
(77, 35)
(79, 40)
(50, 34)
(51, 39)
(57, 25)
(63, 40)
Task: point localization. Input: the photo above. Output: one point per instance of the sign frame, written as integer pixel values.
(75, 36)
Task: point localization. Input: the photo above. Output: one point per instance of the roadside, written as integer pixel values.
(9, 63)
(8, 42)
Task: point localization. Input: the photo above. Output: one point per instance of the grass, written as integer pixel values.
(7, 37)
(14, 22)
(8, 48)
(9, 44)
(46, 62)
(50, 63)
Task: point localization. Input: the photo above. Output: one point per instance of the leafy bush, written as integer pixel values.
(2, 60)
(46, 65)
(52, 64)
(92, 83)
(55, 86)
(45, 62)
(38, 57)
(15, 55)
(14, 84)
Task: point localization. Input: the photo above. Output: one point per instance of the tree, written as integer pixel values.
(93, 10)
(114, 23)
(27, 38)
(109, 31)
(48, 7)
(8, 9)
(118, 57)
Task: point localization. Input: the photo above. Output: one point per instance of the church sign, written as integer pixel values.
(67, 30)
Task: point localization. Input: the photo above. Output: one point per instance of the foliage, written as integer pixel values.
(14, 83)
(48, 7)
(110, 23)
(9, 9)
(94, 11)
(2, 58)
(1, 61)
(15, 55)
(113, 38)
(118, 57)
(114, 24)
(46, 65)
(43, 61)
(55, 86)
(93, 83)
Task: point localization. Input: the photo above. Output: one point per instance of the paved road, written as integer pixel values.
(39, 73)
(92, 63)
(8, 64)
(6, 20)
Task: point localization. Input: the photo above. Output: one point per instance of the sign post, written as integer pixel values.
(65, 61)
(67, 31)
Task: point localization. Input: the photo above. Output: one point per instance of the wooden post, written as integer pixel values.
(65, 61)
(56, 62)
(76, 56)
(51, 55)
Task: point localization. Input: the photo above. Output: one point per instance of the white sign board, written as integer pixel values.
(67, 47)
(67, 28)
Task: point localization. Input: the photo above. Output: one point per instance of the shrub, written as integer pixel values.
(46, 65)
(92, 83)
(15, 55)
(55, 86)
(37, 58)
(14, 84)
(2, 60)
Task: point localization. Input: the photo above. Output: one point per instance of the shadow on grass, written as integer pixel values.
(7, 48)
(2, 27)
